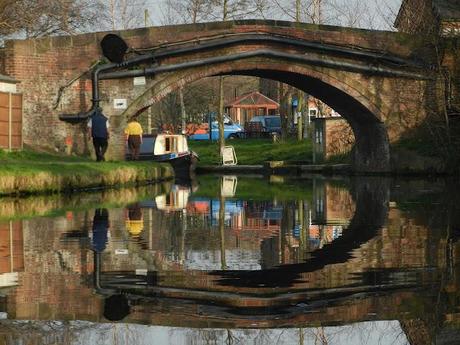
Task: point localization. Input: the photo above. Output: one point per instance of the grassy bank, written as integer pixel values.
(28, 172)
(254, 151)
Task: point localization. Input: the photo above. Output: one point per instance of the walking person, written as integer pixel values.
(133, 133)
(98, 126)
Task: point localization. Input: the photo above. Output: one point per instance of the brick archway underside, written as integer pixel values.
(371, 152)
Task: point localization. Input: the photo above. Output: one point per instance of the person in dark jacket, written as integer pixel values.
(98, 126)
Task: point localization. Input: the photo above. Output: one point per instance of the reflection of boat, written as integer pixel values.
(175, 200)
(169, 148)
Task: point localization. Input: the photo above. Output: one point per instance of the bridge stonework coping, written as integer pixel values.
(379, 108)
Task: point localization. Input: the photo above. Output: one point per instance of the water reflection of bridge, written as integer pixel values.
(389, 264)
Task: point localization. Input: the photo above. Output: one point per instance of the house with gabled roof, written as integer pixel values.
(244, 108)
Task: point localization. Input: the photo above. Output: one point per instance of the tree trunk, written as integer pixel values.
(182, 110)
(220, 118)
(299, 114)
(223, 261)
(284, 112)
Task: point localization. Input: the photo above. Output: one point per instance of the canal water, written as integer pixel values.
(235, 260)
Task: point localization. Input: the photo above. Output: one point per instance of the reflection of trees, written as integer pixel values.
(87, 333)
(387, 332)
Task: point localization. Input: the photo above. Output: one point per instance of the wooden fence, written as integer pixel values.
(11, 121)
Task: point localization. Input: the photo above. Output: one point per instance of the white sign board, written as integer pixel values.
(120, 103)
(138, 81)
(229, 156)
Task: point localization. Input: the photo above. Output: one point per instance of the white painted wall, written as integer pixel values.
(8, 87)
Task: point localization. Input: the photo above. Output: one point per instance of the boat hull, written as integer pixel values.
(183, 165)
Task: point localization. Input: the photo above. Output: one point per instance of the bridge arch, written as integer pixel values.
(379, 81)
(371, 151)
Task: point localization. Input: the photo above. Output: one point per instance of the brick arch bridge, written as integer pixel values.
(375, 79)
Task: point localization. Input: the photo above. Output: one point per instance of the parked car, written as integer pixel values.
(231, 131)
(269, 123)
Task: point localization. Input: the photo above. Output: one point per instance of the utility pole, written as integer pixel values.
(220, 115)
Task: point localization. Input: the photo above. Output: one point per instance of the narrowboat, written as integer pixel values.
(169, 148)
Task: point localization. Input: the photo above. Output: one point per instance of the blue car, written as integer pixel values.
(231, 131)
(269, 123)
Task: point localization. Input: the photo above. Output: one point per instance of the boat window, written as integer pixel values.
(168, 144)
(171, 144)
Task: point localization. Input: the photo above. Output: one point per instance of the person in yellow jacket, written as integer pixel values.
(133, 136)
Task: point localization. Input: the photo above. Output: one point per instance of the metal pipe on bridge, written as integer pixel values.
(265, 53)
(101, 72)
(258, 38)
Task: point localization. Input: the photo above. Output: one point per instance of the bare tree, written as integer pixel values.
(189, 11)
(308, 11)
(375, 14)
(194, 11)
(386, 12)
(126, 14)
(31, 18)
(354, 13)
(226, 10)
(169, 14)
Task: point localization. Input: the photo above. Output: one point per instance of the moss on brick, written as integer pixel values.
(61, 41)
(43, 45)
(84, 40)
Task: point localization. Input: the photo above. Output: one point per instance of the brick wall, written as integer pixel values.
(416, 16)
(332, 136)
(451, 61)
(44, 65)
(339, 137)
(2, 61)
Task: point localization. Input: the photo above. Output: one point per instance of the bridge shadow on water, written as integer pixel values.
(371, 197)
(287, 296)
